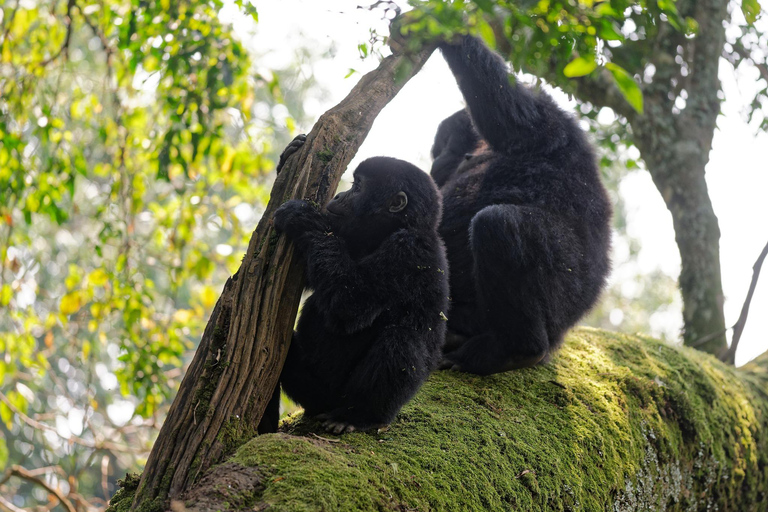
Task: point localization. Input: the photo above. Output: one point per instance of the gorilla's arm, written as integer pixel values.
(508, 116)
(356, 292)
(353, 292)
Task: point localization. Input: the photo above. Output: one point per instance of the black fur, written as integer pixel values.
(373, 329)
(526, 219)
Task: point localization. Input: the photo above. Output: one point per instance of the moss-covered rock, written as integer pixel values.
(613, 422)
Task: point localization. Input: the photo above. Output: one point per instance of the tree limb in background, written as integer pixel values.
(31, 477)
(236, 367)
(729, 356)
(95, 445)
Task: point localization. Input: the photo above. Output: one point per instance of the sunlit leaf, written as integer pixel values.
(6, 294)
(98, 277)
(751, 10)
(208, 296)
(3, 450)
(580, 66)
(183, 315)
(71, 303)
(627, 85)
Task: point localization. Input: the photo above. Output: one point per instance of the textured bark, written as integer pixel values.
(614, 422)
(237, 365)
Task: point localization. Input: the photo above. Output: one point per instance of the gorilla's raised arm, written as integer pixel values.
(508, 116)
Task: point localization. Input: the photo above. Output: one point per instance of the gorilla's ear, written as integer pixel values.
(399, 202)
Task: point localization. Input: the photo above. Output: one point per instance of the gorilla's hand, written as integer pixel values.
(290, 149)
(296, 217)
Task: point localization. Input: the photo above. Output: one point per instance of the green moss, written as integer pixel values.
(325, 155)
(612, 422)
(234, 433)
(273, 238)
(123, 498)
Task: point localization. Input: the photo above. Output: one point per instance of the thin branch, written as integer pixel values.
(730, 355)
(7, 506)
(105, 445)
(7, 28)
(65, 46)
(98, 33)
(598, 88)
(707, 338)
(30, 477)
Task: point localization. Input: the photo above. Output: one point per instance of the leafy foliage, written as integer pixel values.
(131, 173)
(555, 38)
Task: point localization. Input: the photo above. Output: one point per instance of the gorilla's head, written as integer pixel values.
(387, 194)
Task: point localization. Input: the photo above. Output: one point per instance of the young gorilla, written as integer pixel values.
(526, 218)
(372, 331)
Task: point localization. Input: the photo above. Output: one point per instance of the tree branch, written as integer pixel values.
(729, 356)
(65, 45)
(613, 422)
(745, 55)
(105, 445)
(599, 88)
(30, 477)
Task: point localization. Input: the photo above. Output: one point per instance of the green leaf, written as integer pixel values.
(691, 26)
(627, 85)
(71, 303)
(486, 33)
(3, 451)
(580, 66)
(608, 31)
(6, 293)
(751, 10)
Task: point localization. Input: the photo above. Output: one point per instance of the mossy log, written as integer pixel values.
(614, 422)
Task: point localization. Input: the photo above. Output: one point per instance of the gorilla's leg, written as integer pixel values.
(521, 259)
(268, 423)
(300, 379)
(385, 379)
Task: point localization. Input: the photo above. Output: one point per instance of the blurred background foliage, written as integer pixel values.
(136, 138)
(137, 144)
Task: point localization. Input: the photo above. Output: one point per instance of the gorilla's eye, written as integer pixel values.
(467, 156)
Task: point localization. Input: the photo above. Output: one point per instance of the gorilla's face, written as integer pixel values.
(370, 211)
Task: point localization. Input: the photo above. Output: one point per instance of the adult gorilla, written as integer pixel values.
(526, 220)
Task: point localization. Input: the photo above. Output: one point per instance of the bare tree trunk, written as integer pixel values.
(237, 365)
(680, 180)
(675, 146)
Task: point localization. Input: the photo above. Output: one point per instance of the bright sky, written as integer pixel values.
(737, 174)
